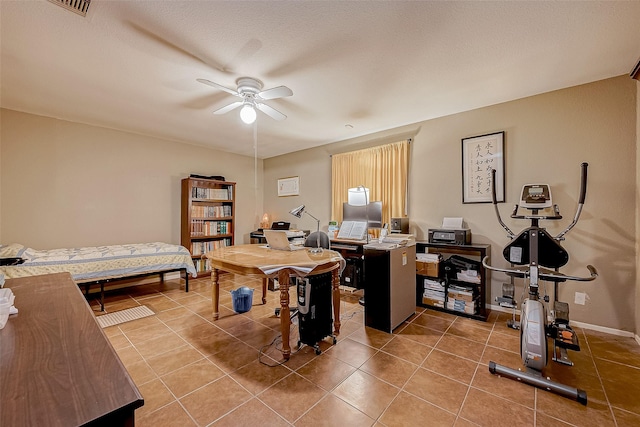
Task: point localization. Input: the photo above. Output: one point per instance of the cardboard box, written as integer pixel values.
(427, 268)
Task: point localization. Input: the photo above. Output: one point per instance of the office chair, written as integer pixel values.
(312, 240)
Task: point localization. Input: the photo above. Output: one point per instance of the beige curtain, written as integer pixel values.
(383, 170)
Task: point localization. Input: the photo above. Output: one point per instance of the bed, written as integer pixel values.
(100, 265)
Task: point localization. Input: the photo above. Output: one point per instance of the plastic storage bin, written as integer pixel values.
(242, 299)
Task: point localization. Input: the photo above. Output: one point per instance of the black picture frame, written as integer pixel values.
(481, 154)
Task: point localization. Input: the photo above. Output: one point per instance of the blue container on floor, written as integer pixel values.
(242, 299)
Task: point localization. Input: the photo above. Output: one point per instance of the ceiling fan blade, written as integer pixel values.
(270, 111)
(229, 107)
(276, 92)
(218, 86)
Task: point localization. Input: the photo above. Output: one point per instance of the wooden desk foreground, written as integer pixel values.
(57, 367)
(261, 262)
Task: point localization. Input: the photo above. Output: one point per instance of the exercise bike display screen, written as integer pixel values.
(536, 196)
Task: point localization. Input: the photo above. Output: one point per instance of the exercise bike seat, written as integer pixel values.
(550, 253)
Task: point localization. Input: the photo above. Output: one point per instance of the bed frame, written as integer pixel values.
(103, 282)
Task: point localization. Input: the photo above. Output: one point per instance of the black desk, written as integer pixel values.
(353, 253)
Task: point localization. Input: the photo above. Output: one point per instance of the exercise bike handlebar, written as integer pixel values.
(583, 195)
(494, 199)
(543, 273)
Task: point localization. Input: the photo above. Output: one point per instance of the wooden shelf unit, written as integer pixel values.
(208, 218)
(474, 251)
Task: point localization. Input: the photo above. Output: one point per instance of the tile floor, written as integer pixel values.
(432, 371)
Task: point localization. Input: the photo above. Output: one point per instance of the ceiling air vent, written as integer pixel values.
(81, 7)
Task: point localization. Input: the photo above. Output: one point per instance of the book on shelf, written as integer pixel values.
(201, 248)
(212, 193)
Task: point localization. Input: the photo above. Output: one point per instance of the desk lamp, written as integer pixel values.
(297, 212)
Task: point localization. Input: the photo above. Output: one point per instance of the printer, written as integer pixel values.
(452, 232)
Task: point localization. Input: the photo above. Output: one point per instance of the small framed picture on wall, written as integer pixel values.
(289, 186)
(480, 155)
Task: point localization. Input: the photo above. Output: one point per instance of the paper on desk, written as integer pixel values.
(455, 223)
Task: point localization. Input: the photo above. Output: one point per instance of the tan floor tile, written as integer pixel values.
(214, 400)
(326, 372)
(450, 366)
(486, 409)
(129, 355)
(389, 368)
(421, 335)
(173, 359)
(191, 377)
(145, 322)
(155, 395)
(233, 356)
(141, 373)
(159, 345)
(437, 389)
(292, 396)
(138, 335)
(504, 341)
(408, 410)
(543, 420)
(626, 419)
(371, 337)
(186, 322)
(257, 377)
(167, 416)
(433, 322)
(506, 388)
(470, 331)
(595, 413)
(366, 393)
(352, 352)
(119, 341)
(159, 303)
(331, 411)
(407, 349)
(252, 413)
(501, 357)
(461, 347)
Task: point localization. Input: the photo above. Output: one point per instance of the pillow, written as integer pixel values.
(14, 250)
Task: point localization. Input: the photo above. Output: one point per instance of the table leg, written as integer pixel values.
(285, 321)
(264, 290)
(215, 292)
(335, 279)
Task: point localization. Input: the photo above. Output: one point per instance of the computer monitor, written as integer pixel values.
(359, 213)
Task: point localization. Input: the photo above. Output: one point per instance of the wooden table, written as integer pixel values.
(57, 367)
(254, 260)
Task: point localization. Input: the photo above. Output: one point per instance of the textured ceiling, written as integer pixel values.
(133, 65)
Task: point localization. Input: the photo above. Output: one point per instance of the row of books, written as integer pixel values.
(198, 211)
(201, 248)
(209, 228)
(434, 293)
(202, 264)
(457, 298)
(212, 193)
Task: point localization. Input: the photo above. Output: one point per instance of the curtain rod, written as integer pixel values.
(409, 140)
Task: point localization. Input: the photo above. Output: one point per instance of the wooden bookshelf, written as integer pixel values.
(208, 218)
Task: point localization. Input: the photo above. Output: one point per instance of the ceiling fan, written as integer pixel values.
(250, 90)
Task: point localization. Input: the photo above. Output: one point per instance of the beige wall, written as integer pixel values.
(66, 184)
(547, 137)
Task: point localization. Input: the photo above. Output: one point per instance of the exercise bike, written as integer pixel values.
(537, 256)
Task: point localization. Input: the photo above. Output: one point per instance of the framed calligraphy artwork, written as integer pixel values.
(481, 154)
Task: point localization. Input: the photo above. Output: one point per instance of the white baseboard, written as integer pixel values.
(580, 324)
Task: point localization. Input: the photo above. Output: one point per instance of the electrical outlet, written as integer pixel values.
(581, 298)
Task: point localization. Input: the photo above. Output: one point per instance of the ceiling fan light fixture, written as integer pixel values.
(248, 114)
